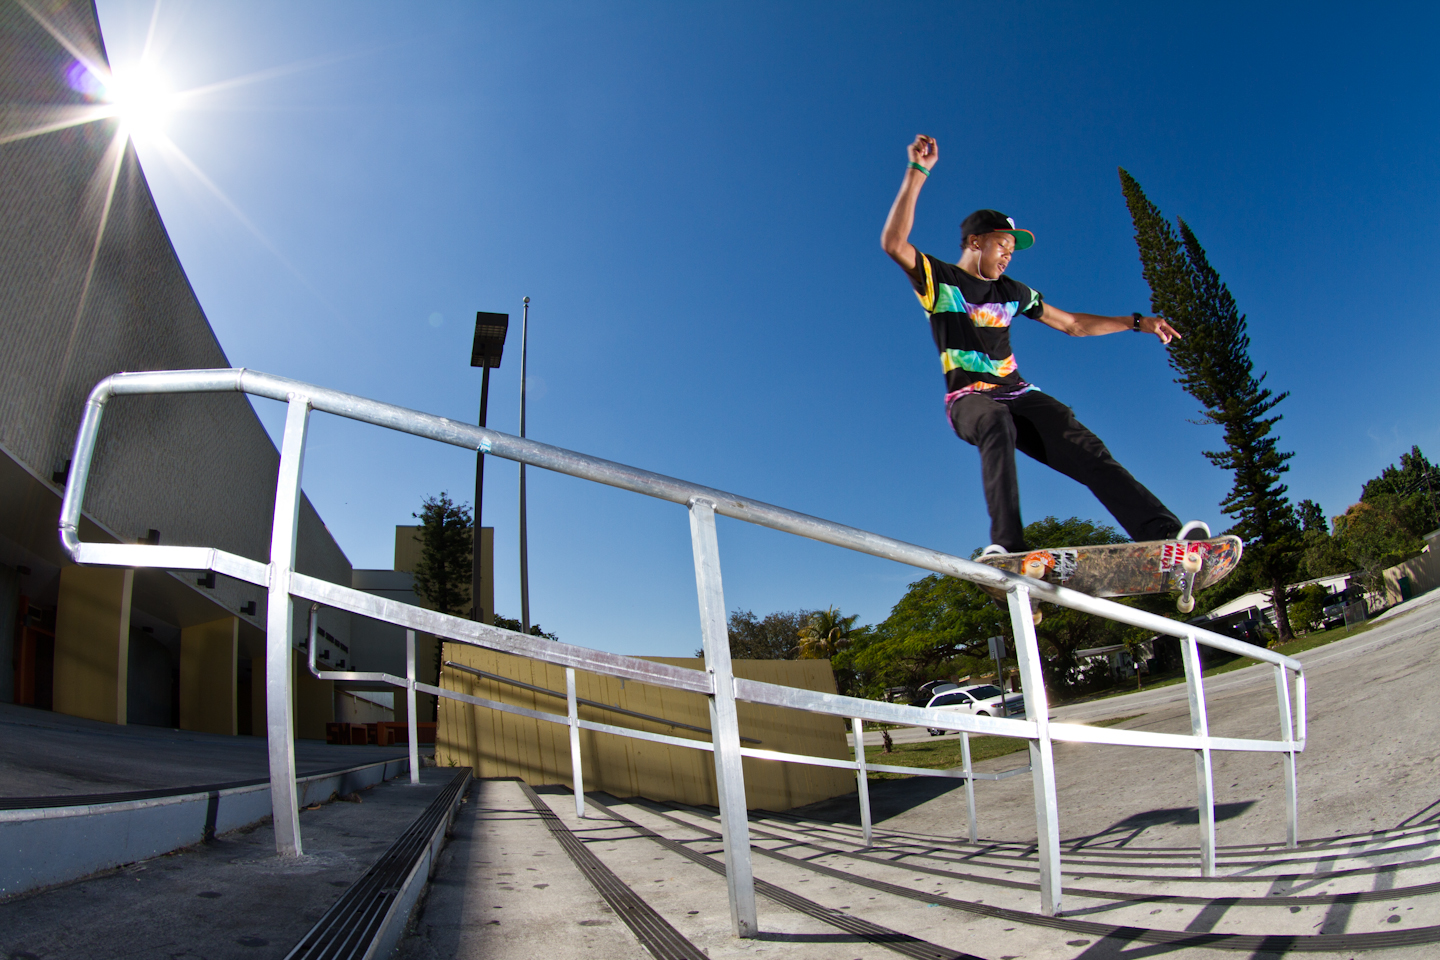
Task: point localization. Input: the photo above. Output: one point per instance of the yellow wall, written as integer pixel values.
(312, 700)
(407, 555)
(208, 653)
(92, 642)
(503, 745)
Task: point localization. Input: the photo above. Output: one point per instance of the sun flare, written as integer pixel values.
(143, 99)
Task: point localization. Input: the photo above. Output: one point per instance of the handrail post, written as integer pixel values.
(724, 722)
(1204, 772)
(1287, 730)
(862, 776)
(1042, 752)
(969, 785)
(577, 776)
(414, 725)
(279, 625)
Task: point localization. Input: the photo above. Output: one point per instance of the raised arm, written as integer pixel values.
(895, 238)
(1093, 325)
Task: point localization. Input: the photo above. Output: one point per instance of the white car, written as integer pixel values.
(983, 700)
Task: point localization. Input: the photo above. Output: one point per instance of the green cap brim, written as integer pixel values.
(1024, 239)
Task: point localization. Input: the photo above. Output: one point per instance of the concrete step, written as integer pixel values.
(982, 918)
(230, 897)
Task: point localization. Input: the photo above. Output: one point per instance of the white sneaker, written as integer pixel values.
(1194, 530)
(993, 549)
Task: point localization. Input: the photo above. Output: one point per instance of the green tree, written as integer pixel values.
(825, 634)
(442, 577)
(1214, 366)
(1309, 606)
(505, 623)
(1377, 534)
(1415, 483)
(773, 638)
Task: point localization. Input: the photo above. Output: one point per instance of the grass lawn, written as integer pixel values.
(1299, 645)
(945, 754)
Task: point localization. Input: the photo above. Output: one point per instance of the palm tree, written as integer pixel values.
(826, 634)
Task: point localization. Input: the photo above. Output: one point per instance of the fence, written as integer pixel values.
(285, 585)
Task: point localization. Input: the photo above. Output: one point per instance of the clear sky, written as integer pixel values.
(692, 196)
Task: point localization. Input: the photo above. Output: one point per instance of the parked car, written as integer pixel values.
(981, 700)
(927, 691)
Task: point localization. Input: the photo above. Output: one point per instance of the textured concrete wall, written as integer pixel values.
(78, 302)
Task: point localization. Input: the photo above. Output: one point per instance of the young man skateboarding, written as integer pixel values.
(971, 306)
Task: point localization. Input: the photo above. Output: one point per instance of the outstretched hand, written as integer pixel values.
(924, 151)
(1160, 327)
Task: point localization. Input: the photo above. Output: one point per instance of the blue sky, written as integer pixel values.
(692, 195)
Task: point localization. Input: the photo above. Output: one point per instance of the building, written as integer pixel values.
(90, 285)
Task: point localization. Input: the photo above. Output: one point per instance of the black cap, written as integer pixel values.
(993, 221)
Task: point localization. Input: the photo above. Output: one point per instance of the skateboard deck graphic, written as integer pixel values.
(1130, 569)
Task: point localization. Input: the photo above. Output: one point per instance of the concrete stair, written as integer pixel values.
(511, 885)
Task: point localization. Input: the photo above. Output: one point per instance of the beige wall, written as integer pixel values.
(208, 656)
(1423, 571)
(407, 555)
(352, 709)
(92, 642)
(502, 745)
(312, 699)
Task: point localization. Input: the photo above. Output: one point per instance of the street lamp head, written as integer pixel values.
(490, 330)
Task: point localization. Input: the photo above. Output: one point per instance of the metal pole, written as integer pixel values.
(1204, 774)
(411, 723)
(1287, 729)
(476, 613)
(1042, 752)
(969, 785)
(524, 538)
(862, 776)
(577, 776)
(724, 722)
(279, 624)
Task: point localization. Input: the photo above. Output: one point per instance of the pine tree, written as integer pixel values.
(442, 576)
(1214, 366)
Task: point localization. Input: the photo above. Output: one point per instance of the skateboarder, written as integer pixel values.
(971, 305)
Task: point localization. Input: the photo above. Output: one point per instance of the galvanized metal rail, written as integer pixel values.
(717, 681)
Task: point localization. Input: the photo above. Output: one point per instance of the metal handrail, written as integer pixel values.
(717, 681)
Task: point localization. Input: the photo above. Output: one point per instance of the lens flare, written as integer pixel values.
(143, 98)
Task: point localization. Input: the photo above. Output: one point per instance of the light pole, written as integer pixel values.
(490, 330)
(524, 541)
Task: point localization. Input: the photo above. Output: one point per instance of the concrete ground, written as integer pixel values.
(45, 754)
(231, 899)
(1370, 761)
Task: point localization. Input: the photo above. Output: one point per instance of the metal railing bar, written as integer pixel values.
(581, 700)
(175, 558)
(494, 638)
(1080, 733)
(595, 469)
(758, 691)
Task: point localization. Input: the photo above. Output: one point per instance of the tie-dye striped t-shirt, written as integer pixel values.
(970, 321)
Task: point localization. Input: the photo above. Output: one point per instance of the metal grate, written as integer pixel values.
(653, 931)
(872, 932)
(350, 927)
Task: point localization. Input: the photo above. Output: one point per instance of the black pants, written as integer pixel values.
(1044, 429)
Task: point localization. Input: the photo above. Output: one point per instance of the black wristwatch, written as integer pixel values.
(1138, 317)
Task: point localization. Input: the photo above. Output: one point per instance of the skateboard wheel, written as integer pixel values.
(1185, 604)
(1035, 569)
(1193, 560)
(1037, 616)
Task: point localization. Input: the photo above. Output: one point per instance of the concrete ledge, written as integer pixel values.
(49, 845)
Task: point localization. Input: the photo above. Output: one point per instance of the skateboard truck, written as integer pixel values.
(1192, 562)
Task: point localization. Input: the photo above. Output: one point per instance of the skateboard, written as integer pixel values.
(1127, 569)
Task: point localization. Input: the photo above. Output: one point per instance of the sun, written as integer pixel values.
(143, 99)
